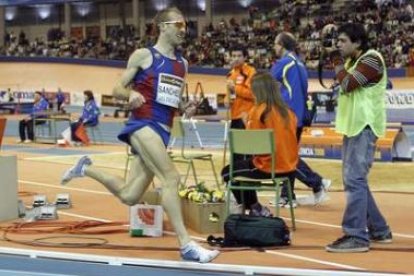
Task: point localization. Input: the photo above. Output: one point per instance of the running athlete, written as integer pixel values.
(153, 82)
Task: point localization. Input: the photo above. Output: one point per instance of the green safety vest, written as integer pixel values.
(363, 106)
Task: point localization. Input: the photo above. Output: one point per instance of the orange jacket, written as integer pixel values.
(286, 145)
(244, 101)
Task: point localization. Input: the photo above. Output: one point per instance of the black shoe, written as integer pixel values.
(385, 238)
(348, 244)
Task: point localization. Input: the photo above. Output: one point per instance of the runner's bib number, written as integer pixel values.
(169, 90)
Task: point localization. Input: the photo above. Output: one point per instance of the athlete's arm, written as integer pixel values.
(141, 59)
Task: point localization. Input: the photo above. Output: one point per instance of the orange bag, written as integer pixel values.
(82, 134)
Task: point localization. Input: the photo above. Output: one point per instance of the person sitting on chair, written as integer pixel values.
(269, 112)
(89, 117)
(40, 105)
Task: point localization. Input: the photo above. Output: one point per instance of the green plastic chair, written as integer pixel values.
(178, 131)
(255, 142)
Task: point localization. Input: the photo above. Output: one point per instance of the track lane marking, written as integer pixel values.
(287, 255)
(408, 236)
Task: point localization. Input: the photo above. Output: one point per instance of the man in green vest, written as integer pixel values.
(361, 118)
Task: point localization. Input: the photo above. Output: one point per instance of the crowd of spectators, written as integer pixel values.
(389, 23)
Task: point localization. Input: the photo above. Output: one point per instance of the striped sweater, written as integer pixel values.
(368, 72)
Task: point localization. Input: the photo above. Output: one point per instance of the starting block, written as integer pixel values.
(48, 212)
(45, 212)
(39, 200)
(63, 201)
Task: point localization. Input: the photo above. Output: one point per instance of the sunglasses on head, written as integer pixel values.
(178, 24)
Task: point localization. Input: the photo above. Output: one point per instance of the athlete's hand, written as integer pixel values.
(136, 100)
(121, 93)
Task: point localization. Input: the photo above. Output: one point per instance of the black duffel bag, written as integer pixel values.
(243, 230)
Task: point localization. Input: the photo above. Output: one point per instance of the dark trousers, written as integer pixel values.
(27, 126)
(246, 168)
(238, 124)
(59, 106)
(304, 173)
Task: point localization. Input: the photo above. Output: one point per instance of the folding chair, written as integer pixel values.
(178, 131)
(130, 155)
(256, 142)
(43, 130)
(96, 133)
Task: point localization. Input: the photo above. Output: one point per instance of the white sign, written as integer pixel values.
(399, 99)
(169, 90)
(77, 99)
(18, 96)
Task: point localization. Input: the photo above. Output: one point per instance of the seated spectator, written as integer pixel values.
(89, 117)
(269, 112)
(27, 124)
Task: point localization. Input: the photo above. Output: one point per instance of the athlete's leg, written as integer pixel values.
(152, 150)
(129, 193)
(153, 159)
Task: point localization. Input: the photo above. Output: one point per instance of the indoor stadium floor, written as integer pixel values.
(41, 165)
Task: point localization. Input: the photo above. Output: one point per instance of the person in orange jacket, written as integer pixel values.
(240, 95)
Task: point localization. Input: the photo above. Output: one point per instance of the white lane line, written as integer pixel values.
(312, 260)
(60, 187)
(337, 226)
(408, 236)
(314, 223)
(71, 156)
(31, 273)
(81, 216)
(105, 220)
